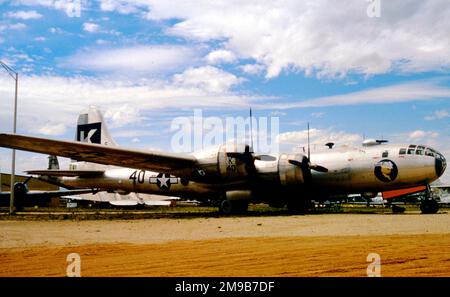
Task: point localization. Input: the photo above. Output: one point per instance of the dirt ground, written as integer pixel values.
(311, 245)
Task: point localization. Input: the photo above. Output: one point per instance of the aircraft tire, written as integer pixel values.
(429, 206)
(300, 206)
(233, 207)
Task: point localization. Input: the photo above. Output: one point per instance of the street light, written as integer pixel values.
(15, 76)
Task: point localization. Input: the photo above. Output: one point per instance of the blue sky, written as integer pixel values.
(144, 62)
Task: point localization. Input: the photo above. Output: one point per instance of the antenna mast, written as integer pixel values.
(251, 129)
(309, 145)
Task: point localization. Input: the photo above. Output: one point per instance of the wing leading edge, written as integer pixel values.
(96, 153)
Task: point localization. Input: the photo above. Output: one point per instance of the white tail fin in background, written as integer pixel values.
(91, 128)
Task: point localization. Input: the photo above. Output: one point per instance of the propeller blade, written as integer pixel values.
(318, 168)
(298, 163)
(308, 165)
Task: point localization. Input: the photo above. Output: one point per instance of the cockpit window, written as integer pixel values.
(402, 151)
(412, 146)
(385, 154)
(420, 150)
(429, 152)
(410, 151)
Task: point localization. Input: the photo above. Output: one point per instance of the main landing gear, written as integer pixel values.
(428, 204)
(233, 206)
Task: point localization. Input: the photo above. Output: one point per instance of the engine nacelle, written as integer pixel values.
(216, 165)
(20, 189)
(238, 195)
(292, 175)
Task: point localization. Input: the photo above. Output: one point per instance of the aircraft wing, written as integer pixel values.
(70, 173)
(96, 153)
(50, 194)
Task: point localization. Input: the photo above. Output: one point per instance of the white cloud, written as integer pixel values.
(18, 26)
(40, 39)
(55, 30)
(60, 99)
(403, 92)
(317, 114)
(52, 129)
(278, 113)
(253, 69)
(70, 7)
(122, 115)
(438, 115)
(208, 78)
(123, 7)
(318, 138)
(220, 57)
(24, 15)
(91, 27)
(420, 134)
(319, 37)
(142, 59)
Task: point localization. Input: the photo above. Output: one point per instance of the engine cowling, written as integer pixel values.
(291, 174)
(221, 164)
(238, 195)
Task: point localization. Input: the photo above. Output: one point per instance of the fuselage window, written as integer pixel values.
(402, 151)
(385, 154)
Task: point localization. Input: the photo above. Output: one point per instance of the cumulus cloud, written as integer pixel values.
(71, 8)
(220, 57)
(140, 59)
(319, 37)
(438, 115)
(52, 129)
(420, 134)
(403, 92)
(18, 26)
(62, 98)
(91, 27)
(318, 138)
(24, 15)
(208, 78)
(122, 115)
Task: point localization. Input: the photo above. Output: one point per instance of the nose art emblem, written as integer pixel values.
(386, 170)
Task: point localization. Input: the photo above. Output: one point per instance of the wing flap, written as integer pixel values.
(96, 153)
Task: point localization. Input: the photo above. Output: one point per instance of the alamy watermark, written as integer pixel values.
(71, 7)
(74, 266)
(374, 268)
(197, 133)
(374, 8)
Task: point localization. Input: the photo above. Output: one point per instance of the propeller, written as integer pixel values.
(247, 157)
(306, 164)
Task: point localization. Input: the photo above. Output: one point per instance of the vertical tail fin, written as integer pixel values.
(53, 162)
(91, 128)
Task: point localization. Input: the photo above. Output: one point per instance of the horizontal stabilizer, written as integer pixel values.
(157, 203)
(71, 173)
(124, 203)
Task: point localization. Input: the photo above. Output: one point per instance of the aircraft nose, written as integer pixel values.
(440, 164)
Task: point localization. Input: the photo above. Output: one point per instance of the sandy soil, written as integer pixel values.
(313, 245)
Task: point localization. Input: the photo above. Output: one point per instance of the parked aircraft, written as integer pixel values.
(22, 195)
(237, 176)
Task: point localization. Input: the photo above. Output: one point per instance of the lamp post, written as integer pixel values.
(15, 76)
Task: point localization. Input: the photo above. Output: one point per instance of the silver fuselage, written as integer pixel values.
(350, 170)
